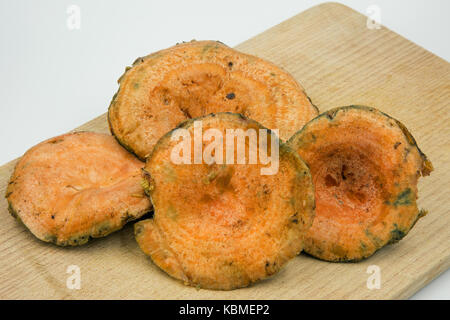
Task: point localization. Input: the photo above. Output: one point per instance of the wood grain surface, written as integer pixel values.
(339, 61)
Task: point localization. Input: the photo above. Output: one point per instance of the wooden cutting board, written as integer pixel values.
(339, 61)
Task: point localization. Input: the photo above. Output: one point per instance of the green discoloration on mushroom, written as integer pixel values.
(396, 234)
(145, 184)
(376, 240)
(11, 210)
(50, 238)
(404, 198)
(209, 47)
(76, 240)
(210, 177)
(363, 246)
(422, 213)
(308, 139)
(102, 229)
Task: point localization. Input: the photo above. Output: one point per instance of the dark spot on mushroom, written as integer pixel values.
(206, 198)
(344, 168)
(330, 181)
(55, 141)
(186, 112)
(231, 96)
(397, 234)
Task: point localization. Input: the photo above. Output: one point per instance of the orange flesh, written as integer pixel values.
(348, 184)
(77, 185)
(224, 226)
(365, 171)
(198, 78)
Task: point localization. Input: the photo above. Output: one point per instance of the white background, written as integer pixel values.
(54, 79)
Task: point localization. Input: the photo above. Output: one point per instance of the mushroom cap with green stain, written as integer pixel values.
(221, 225)
(365, 167)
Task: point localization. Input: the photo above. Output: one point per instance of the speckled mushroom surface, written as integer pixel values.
(76, 186)
(197, 78)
